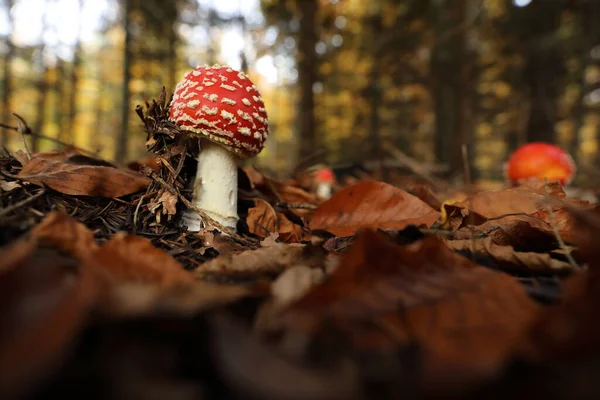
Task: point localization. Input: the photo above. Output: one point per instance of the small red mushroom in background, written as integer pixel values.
(324, 179)
(541, 161)
(224, 111)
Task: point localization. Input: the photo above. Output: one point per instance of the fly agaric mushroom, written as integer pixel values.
(324, 178)
(223, 109)
(540, 161)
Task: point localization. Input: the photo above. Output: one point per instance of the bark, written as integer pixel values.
(42, 87)
(7, 74)
(542, 76)
(451, 70)
(307, 76)
(74, 78)
(121, 153)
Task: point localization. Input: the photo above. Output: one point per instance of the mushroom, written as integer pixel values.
(540, 160)
(224, 111)
(324, 178)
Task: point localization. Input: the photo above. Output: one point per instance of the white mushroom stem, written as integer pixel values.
(215, 187)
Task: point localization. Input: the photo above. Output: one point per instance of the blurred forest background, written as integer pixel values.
(344, 81)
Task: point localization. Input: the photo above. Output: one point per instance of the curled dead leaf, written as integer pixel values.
(508, 258)
(386, 297)
(75, 174)
(371, 205)
(263, 221)
(262, 262)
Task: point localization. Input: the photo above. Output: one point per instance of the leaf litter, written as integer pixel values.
(379, 292)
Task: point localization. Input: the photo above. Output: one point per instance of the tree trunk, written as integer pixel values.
(450, 68)
(542, 75)
(74, 78)
(307, 76)
(121, 153)
(7, 74)
(375, 92)
(40, 118)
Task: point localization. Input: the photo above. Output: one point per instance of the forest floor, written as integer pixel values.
(377, 292)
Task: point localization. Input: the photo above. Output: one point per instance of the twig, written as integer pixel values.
(24, 129)
(554, 226)
(21, 203)
(135, 214)
(51, 139)
(469, 186)
(298, 206)
(413, 165)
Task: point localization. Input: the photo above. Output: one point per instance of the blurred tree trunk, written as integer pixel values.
(121, 153)
(60, 96)
(172, 57)
(543, 76)
(42, 87)
(40, 118)
(68, 133)
(7, 75)
(307, 77)
(451, 70)
(588, 38)
(375, 91)
(98, 103)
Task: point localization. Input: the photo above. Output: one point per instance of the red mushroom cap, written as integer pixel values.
(542, 161)
(222, 105)
(325, 175)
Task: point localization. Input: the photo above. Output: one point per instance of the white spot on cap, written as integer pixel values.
(211, 97)
(246, 102)
(228, 87)
(193, 103)
(229, 101)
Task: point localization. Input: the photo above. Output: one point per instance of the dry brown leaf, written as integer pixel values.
(268, 261)
(133, 259)
(276, 191)
(44, 299)
(75, 174)
(465, 319)
(60, 231)
(134, 299)
(263, 221)
(256, 371)
(508, 258)
(371, 205)
(9, 186)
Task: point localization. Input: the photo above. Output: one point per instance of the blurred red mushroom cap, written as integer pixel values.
(325, 175)
(540, 160)
(224, 106)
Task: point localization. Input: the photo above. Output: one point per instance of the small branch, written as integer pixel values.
(51, 139)
(21, 203)
(413, 165)
(298, 206)
(559, 239)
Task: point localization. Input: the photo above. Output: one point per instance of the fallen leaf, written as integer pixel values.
(255, 370)
(275, 191)
(9, 186)
(75, 174)
(133, 259)
(465, 320)
(424, 192)
(44, 300)
(262, 262)
(508, 258)
(138, 299)
(371, 205)
(263, 220)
